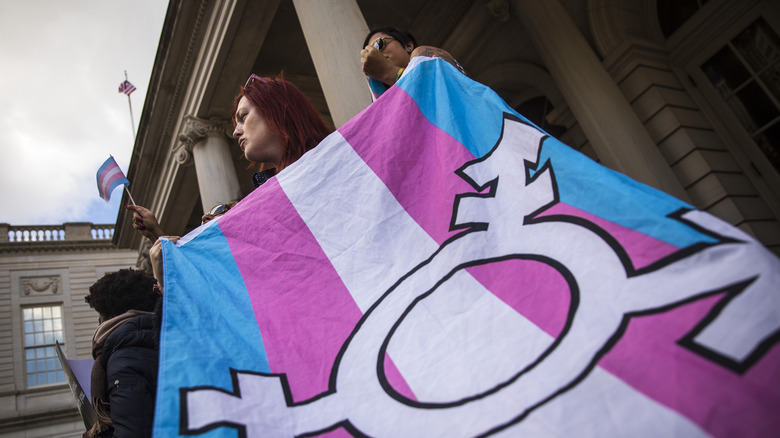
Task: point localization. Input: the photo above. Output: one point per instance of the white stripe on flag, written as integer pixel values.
(372, 242)
(345, 222)
(107, 179)
(595, 408)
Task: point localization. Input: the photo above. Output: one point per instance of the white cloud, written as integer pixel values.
(62, 114)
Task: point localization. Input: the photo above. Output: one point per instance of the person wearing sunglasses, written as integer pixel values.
(387, 52)
(155, 252)
(216, 211)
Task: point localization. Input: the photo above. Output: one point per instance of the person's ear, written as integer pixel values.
(409, 47)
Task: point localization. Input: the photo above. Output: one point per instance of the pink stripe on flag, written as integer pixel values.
(112, 168)
(111, 175)
(721, 401)
(641, 248)
(310, 311)
(545, 297)
(382, 143)
(647, 357)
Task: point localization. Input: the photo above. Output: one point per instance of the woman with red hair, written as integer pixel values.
(275, 124)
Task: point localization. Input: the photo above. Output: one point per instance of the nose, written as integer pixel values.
(237, 132)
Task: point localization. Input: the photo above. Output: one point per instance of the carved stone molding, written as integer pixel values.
(55, 246)
(40, 285)
(196, 129)
(183, 155)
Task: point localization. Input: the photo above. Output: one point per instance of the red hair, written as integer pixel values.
(287, 112)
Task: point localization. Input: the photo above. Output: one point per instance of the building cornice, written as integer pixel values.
(55, 246)
(168, 86)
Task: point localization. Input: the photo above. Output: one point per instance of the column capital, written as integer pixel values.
(206, 144)
(196, 129)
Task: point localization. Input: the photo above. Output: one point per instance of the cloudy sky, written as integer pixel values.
(61, 114)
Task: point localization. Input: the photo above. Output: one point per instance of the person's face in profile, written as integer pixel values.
(257, 142)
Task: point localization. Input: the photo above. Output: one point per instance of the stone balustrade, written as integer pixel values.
(70, 231)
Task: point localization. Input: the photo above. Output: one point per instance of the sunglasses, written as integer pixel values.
(253, 77)
(219, 209)
(382, 42)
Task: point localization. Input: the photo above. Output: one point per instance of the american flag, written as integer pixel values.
(126, 87)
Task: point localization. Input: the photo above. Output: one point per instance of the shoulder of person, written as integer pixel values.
(436, 52)
(137, 331)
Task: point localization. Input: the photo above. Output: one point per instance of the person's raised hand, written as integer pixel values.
(156, 259)
(145, 223)
(376, 65)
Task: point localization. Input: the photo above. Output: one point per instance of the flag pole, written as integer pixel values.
(132, 201)
(130, 104)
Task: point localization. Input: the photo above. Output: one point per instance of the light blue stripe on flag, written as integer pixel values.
(225, 332)
(474, 118)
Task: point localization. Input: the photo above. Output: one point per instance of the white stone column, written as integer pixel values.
(208, 143)
(334, 31)
(611, 125)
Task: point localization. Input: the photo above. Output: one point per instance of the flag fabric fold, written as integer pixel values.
(109, 177)
(439, 266)
(126, 87)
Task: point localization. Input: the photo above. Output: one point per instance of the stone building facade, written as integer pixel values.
(45, 272)
(683, 95)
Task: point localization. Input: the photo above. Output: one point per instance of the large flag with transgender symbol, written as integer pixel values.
(441, 267)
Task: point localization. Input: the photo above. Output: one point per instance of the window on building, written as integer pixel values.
(42, 328)
(746, 74)
(731, 62)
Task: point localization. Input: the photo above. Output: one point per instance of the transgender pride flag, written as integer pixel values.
(109, 177)
(441, 267)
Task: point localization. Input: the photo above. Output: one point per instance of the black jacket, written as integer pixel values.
(130, 359)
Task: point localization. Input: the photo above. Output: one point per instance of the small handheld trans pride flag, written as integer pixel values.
(109, 177)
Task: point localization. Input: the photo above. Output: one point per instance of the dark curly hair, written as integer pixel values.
(117, 292)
